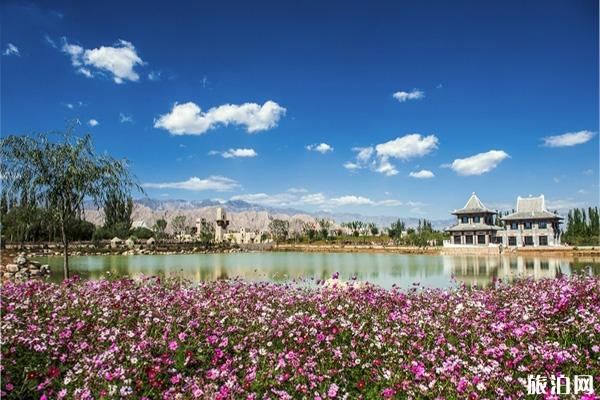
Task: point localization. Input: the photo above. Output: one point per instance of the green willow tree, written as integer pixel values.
(117, 214)
(60, 175)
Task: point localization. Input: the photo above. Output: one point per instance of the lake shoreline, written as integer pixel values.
(186, 248)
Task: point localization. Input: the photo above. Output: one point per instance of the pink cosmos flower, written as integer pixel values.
(332, 392)
(173, 345)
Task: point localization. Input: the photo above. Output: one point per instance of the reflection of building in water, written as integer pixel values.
(479, 270)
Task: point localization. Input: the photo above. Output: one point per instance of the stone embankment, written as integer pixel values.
(22, 269)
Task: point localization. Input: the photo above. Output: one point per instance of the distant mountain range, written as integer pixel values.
(241, 214)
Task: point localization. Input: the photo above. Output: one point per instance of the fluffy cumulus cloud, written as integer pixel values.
(118, 60)
(422, 174)
(217, 183)
(93, 122)
(239, 153)
(414, 94)
(189, 119)
(403, 148)
(569, 139)
(321, 148)
(11, 50)
(298, 198)
(408, 146)
(479, 163)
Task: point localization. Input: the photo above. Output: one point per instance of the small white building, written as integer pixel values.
(116, 242)
(130, 243)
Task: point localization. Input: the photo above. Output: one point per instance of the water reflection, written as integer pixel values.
(382, 269)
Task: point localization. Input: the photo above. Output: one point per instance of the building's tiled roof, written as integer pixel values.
(531, 215)
(473, 206)
(473, 227)
(531, 208)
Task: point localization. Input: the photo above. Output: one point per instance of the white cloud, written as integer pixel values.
(414, 94)
(50, 41)
(11, 50)
(408, 146)
(363, 153)
(569, 139)
(119, 60)
(123, 118)
(321, 148)
(294, 198)
(93, 122)
(564, 204)
(352, 166)
(154, 75)
(69, 105)
(588, 172)
(235, 153)
(422, 174)
(218, 183)
(385, 167)
(189, 119)
(479, 163)
(403, 148)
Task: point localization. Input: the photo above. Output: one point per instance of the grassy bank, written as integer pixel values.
(235, 339)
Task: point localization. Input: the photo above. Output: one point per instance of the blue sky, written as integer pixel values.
(320, 106)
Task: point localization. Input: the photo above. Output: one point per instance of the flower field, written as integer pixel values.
(234, 339)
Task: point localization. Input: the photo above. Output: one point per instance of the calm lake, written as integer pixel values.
(381, 269)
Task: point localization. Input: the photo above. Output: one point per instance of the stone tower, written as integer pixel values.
(222, 223)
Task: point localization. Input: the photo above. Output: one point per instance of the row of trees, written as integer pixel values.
(422, 235)
(582, 228)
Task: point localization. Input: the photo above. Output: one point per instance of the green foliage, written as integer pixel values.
(59, 175)
(179, 225)
(309, 231)
(372, 227)
(396, 229)
(159, 228)
(324, 226)
(279, 229)
(207, 232)
(117, 214)
(582, 229)
(142, 233)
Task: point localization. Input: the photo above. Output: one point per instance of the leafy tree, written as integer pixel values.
(160, 227)
(309, 231)
(581, 228)
(373, 229)
(324, 226)
(279, 229)
(117, 214)
(355, 227)
(207, 232)
(142, 233)
(179, 225)
(396, 229)
(60, 175)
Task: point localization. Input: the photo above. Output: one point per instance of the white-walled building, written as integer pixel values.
(531, 225)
